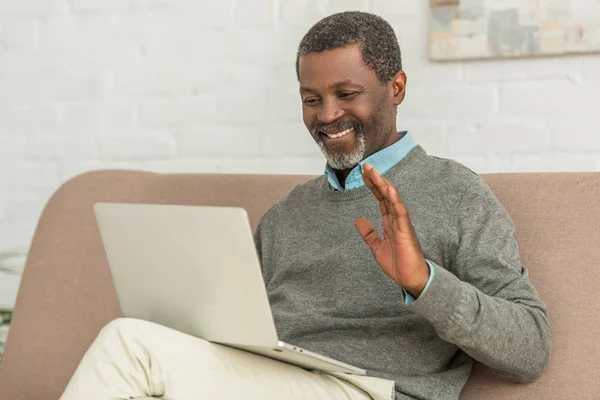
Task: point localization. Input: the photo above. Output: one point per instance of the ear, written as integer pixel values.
(398, 88)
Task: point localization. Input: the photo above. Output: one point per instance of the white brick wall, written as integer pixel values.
(209, 86)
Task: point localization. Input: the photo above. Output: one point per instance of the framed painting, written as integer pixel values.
(471, 29)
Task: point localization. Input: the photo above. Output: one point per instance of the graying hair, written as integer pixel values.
(379, 46)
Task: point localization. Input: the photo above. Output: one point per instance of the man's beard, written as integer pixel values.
(342, 161)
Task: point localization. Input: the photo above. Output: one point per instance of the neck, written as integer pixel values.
(343, 174)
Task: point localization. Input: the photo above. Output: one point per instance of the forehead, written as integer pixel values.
(323, 69)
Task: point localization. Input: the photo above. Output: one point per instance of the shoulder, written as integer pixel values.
(466, 189)
(300, 197)
(449, 175)
(437, 183)
(447, 190)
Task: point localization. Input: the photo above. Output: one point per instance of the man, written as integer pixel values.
(441, 286)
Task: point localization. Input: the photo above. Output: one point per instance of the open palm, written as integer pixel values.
(398, 253)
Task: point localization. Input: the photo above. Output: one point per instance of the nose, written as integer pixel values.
(330, 111)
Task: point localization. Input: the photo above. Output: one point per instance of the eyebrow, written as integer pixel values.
(334, 85)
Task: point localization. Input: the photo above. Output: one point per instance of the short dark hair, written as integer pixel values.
(379, 46)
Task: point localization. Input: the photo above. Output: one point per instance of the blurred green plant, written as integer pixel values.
(11, 263)
(5, 317)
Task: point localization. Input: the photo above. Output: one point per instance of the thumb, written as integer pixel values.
(368, 232)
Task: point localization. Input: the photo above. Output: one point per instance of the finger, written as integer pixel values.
(368, 233)
(379, 181)
(383, 203)
(380, 185)
(398, 209)
(383, 208)
(387, 190)
(367, 171)
(369, 183)
(388, 223)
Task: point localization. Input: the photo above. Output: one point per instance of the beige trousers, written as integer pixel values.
(135, 359)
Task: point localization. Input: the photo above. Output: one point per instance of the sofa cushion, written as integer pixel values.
(67, 295)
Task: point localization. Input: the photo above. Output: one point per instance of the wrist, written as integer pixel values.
(420, 283)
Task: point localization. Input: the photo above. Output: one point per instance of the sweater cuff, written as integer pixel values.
(445, 303)
(409, 298)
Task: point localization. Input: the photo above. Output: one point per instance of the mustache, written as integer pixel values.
(336, 127)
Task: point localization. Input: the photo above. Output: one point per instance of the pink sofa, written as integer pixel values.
(67, 294)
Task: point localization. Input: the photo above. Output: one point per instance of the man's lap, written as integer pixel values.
(140, 358)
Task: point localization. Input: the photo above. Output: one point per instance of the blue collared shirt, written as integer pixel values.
(382, 161)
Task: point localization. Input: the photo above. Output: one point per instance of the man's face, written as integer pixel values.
(348, 111)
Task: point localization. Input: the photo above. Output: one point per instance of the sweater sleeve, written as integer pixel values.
(486, 306)
(258, 241)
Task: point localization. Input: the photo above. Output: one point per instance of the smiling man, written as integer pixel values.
(339, 113)
(394, 261)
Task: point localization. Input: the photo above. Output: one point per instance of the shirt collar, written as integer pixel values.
(382, 161)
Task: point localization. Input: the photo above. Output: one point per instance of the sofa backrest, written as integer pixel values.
(67, 294)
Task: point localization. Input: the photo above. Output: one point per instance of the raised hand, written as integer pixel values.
(398, 253)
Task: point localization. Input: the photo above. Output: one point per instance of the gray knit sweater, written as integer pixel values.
(329, 295)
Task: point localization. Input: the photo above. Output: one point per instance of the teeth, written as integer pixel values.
(340, 134)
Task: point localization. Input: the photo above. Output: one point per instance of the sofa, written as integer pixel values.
(67, 294)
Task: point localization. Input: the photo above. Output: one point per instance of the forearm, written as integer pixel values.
(511, 336)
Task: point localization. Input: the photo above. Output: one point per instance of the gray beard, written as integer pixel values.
(346, 160)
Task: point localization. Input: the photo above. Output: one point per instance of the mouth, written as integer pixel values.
(338, 135)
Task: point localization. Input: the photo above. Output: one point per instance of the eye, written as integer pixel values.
(311, 101)
(346, 95)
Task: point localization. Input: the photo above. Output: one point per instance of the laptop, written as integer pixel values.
(195, 269)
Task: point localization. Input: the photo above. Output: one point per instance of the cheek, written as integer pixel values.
(308, 116)
(366, 115)
(384, 116)
(360, 111)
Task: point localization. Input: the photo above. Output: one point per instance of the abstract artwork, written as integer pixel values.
(464, 29)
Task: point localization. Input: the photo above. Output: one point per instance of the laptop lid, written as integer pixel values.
(190, 268)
